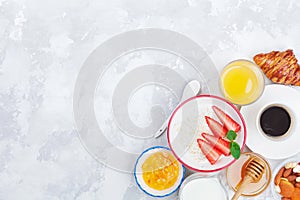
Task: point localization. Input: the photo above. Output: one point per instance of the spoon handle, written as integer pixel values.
(240, 190)
(191, 89)
(163, 128)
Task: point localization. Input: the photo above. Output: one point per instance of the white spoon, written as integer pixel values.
(190, 90)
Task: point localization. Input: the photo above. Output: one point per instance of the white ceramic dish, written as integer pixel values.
(188, 122)
(139, 178)
(274, 148)
(275, 194)
(129, 85)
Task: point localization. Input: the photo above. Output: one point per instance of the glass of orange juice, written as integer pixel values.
(242, 82)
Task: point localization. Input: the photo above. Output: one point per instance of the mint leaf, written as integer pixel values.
(235, 150)
(231, 135)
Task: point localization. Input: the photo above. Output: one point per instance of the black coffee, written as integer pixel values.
(275, 121)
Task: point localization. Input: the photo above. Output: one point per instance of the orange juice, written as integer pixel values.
(242, 82)
(160, 170)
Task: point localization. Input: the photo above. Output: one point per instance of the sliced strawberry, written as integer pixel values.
(216, 128)
(221, 144)
(212, 154)
(228, 122)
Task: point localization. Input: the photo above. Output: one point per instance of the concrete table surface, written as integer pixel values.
(43, 45)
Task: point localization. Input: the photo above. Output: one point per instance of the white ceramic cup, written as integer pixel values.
(288, 132)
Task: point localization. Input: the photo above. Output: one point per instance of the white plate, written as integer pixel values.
(188, 122)
(257, 141)
(127, 88)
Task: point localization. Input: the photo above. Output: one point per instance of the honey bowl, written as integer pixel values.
(235, 171)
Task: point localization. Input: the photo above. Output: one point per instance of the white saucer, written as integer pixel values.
(278, 148)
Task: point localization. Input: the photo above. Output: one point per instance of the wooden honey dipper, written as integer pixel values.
(252, 174)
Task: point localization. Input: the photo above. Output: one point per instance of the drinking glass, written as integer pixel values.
(242, 82)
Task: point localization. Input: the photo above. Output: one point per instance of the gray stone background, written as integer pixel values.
(43, 45)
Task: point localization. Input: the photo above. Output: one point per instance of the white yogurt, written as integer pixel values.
(203, 188)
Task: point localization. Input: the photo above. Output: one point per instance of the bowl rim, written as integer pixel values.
(215, 97)
(135, 174)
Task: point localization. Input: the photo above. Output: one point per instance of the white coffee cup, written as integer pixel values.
(290, 129)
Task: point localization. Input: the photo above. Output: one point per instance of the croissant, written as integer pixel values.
(280, 67)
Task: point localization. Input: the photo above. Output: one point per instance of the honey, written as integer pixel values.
(236, 172)
(160, 170)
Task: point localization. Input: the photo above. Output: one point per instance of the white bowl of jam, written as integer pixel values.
(157, 172)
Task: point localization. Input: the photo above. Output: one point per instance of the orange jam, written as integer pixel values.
(160, 170)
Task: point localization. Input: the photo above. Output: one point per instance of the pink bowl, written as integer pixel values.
(188, 122)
